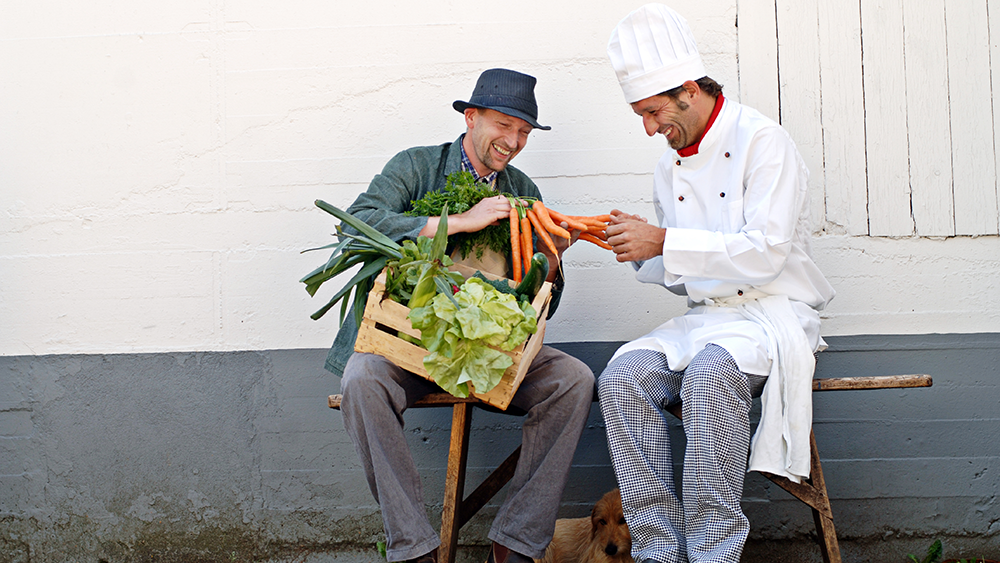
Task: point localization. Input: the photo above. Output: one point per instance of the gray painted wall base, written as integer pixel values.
(235, 457)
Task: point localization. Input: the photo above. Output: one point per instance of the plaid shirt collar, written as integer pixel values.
(467, 166)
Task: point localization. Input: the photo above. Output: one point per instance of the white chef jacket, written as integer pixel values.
(737, 220)
(738, 245)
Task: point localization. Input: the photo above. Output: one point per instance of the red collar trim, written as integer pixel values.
(692, 150)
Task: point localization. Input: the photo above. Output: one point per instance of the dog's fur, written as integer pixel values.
(603, 537)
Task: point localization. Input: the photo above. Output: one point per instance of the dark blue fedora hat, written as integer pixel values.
(506, 91)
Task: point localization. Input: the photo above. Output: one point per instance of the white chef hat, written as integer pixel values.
(652, 50)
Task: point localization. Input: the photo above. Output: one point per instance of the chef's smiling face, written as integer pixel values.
(495, 138)
(671, 117)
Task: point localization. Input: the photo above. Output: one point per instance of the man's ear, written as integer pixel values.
(470, 117)
(692, 88)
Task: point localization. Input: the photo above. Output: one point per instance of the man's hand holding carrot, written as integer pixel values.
(632, 238)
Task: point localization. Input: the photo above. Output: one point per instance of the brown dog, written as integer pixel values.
(603, 537)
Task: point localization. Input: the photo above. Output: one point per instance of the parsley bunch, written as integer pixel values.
(460, 194)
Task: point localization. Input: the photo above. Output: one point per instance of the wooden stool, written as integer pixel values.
(458, 510)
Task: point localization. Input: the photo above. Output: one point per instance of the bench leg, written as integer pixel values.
(813, 493)
(827, 538)
(825, 532)
(454, 485)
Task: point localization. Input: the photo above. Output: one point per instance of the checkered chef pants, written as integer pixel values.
(706, 523)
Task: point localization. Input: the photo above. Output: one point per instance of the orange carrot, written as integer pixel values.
(560, 218)
(515, 243)
(590, 221)
(537, 223)
(591, 238)
(527, 245)
(599, 233)
(543, 215)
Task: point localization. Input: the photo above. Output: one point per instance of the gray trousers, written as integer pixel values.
(556, 394)
(705, 521)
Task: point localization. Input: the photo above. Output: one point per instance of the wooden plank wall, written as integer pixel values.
(844, 164)
(930, 155)
(971, 119)
(891, 105)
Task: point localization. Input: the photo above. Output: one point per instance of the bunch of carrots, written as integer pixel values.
(546, 224)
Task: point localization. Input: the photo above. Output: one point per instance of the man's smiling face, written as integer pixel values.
(495, 138)
(671, 117)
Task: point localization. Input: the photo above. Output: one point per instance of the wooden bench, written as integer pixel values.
(457, 510)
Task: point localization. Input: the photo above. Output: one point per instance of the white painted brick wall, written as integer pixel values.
(158, 164)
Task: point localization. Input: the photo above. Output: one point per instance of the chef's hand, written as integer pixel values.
(632, 238)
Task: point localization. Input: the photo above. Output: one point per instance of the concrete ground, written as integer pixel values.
(890, 550)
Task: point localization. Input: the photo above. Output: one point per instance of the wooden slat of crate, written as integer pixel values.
(384, 318)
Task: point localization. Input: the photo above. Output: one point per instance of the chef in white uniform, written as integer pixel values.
(732, 234)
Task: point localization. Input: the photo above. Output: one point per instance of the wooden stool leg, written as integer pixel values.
(454, 485)
(825, 532)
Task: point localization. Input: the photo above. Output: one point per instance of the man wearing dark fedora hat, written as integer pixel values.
(556, 393)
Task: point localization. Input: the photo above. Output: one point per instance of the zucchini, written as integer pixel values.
(532, 281)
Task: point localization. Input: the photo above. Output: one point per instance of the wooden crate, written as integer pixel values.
(384, 318)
